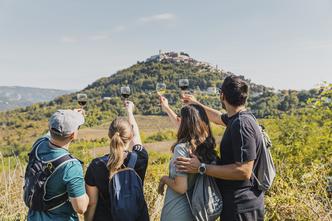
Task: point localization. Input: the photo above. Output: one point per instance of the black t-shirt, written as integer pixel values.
(97, 175)
(240, 143)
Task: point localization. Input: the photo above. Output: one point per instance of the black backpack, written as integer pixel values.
(37, 174)
(125, 189)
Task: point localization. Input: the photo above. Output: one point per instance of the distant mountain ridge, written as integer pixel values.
(12, 97)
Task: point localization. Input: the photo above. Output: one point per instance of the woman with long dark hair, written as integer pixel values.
(125, 141)
(194, 137)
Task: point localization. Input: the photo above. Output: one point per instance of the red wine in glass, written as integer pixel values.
(82, 103)
(126, 96)
(184, 86)
(82, 99)
(125, 92)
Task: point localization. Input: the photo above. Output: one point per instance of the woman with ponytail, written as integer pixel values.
(194, 137)
(125, 141)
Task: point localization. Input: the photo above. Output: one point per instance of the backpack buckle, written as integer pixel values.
(49, 166)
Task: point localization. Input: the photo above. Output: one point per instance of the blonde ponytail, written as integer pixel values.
(120, 134)
(116, 154)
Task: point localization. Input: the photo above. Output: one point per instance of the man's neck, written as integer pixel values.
(231, 111)
(60, 144)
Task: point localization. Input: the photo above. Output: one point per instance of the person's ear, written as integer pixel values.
(72, 136)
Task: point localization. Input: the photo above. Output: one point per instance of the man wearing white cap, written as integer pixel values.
(63, 189)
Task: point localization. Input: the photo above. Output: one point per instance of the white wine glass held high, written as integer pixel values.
(82, 99)
(161, 88)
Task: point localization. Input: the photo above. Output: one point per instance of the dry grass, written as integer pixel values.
(160, 147)
(11, 191)
(289, 199)
(11, 182)
(298, 193)
(147, 124)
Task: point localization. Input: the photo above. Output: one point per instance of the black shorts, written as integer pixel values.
(254, 215)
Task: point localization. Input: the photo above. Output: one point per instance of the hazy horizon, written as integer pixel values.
(67, 45)
(78, 89)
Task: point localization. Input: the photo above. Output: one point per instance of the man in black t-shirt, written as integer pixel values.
(238, 148)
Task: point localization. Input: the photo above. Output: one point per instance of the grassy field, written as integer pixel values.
(148, 125)
(299, 191)
(92, 142)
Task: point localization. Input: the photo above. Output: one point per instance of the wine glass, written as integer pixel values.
(161, 88)
(184, 84)
(82, 99)
(125, 92)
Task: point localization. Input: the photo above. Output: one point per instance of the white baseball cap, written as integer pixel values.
(65, 122)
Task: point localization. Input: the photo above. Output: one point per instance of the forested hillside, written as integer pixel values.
(18, 126)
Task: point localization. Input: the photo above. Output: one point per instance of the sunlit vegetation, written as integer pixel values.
(299, 123)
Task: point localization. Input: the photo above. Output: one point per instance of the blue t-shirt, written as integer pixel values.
(68, 178)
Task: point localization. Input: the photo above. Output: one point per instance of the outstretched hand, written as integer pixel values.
(163, 102)
(189, 99)
(129, 106)
(187, 165)
(80, 110)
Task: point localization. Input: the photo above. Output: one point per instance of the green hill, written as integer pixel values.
(18, 126)
(143, 76)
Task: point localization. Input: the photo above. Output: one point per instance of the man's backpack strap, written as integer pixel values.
(33, 152)
(38, 142)
(38, 173)
(60, 161)
(132, 160)
(53, 165)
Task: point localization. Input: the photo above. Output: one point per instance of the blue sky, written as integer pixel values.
(68, 44)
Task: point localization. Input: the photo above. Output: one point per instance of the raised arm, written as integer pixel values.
(130, 110)
(175, 119)
(213, 115)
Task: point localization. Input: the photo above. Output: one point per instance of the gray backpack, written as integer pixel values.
(265, 171)
(205, 199)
